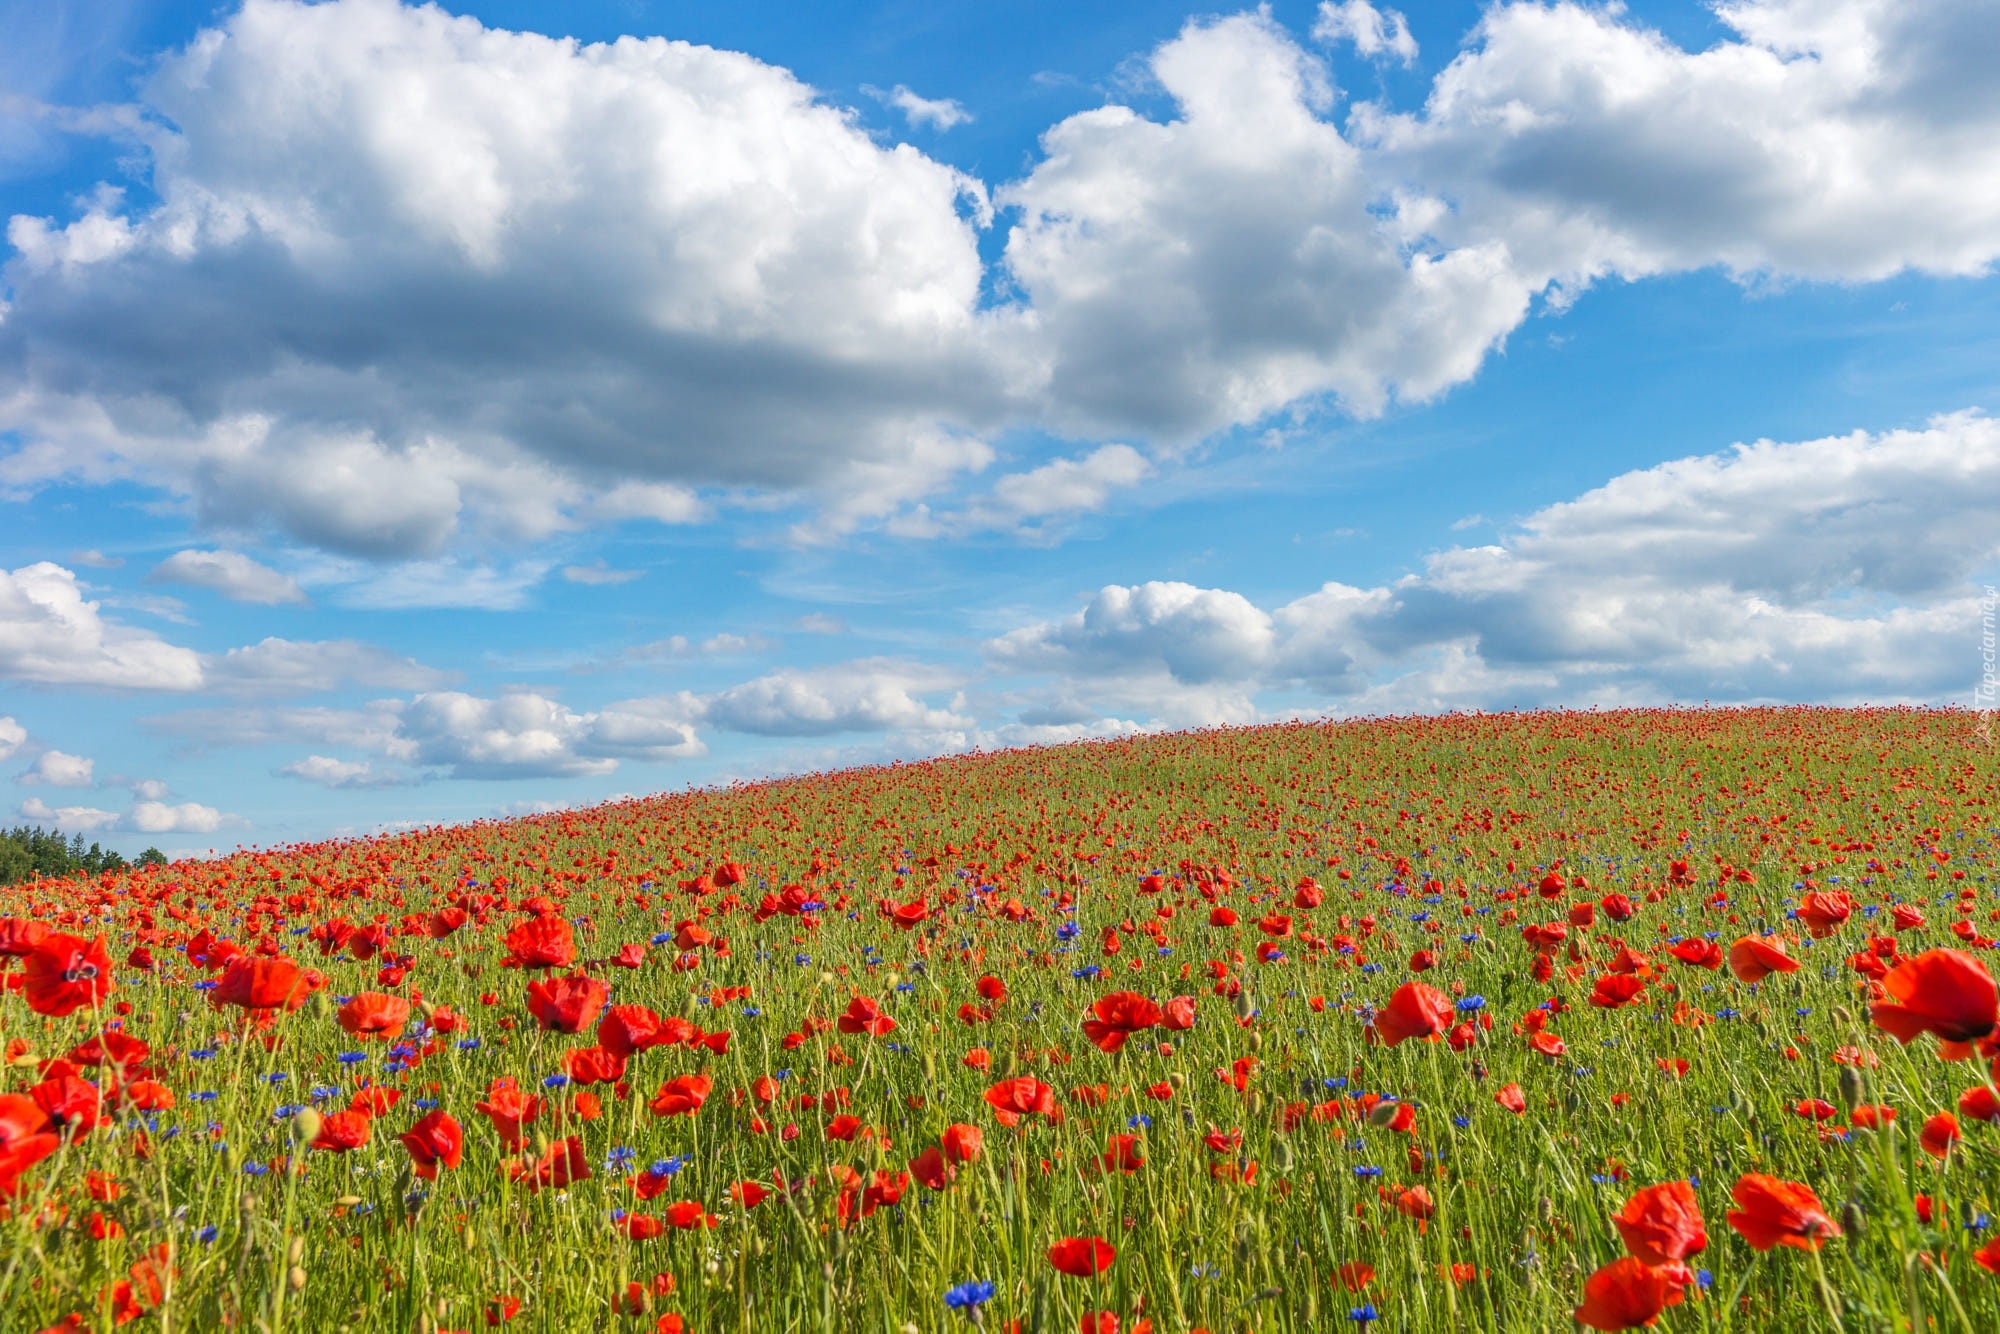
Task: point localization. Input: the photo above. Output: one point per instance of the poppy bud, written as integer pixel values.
(322, 1005)
(296, 1279)
(295, 1250)
(1842, 1013)
(1545, 1210)
(1853, 1220)
(1850, 1086)
(1256, 1042)
(1244, 1005)
(1382, 1113)
(1282, 1157)
(306, 1126)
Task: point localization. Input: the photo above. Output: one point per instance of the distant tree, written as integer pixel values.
(152, 857)
(26, 852)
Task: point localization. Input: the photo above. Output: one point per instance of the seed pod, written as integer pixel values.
(1853, 1220)
(296, 1278)
(1256, 1042)
(1178, 1079)
(295, 1250)
(348, 1201)
(306, 1126)
(1282, 1157)
(1850, 1086)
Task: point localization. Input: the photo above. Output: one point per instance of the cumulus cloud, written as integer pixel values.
(1843, 139)
(275, 666)
(866, 695)
(73, 819)
(58, 769)
(12, 737)
(143, 817)
(1374, 32)
(938, 113)
(410, 277)
(230, 573)
(326, 771)
(51, 635)
(598, 573)
(1832, 569)
(529, 735)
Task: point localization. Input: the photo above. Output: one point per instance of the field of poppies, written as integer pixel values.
(1492, 1023)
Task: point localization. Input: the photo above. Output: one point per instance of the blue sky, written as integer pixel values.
(405, 417)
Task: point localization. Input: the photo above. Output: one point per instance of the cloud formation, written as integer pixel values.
(51, 635)
(230, 573)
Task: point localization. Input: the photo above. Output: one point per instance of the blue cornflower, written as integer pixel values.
(802, 959)
(968, 1294)
(1364, 1170)
(1139, 1121)
(469, 1044)
(202, 1054)
(619, 1158)
(555, 1081)
(1469, 1004)
(664, 938)
(1363, 1314)
(206, 1233)
(351, 1057)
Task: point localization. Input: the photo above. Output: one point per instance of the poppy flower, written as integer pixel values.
(564, 1162)
(1698, 952)
(1987, 1257)
(26, 1137)
(1624, 1294)
(962, 1143)
(540, 942)
(1414, 1011)
(1614, 990)
(435, 1141)
(1082, 1257)
(1939, 1134)
(992, 989)
(930, 1168)
(689, 1214)
(20, 935)
(343, 1132)
(256, 983)
(1012, 1099)
(374, 1015)
(1222, 915)
(1774, 1212)
(682, 1095)
(1548, 1044)
(1117, 1016)
(864, 1015)
(1662, 1224)
(1824, 910)
(749, 1194)
(1873, 1117)
(1979, 1104)
(1947, 993)
(1511, 1097)
(63, 974)
(1753, 959)
(509, 1108)
(1123, 1155)
(566, 1004)
(1177, 1015)
(1354, 1275)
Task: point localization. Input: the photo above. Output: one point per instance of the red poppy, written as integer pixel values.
(541, 942)
(566, 1004)
(1511, 1097)
(1754, 958)
(63, 974)
(864, 1015)
(435, 1141)
(1824, 910)
(749, 1194)
(1694, 950)
(1662, 1224)
(1943, 992)
(1614, 990)
(1625, 1294)
(992, 989)
(257, 983)
(26, 1137)
(593, 1065)
(1012, 1099)
(509, 1108)
(930, 1168)
(1871, 1118)
(1082, 1257)
(20, 935)
(1979, 1104)
(1117, 1016)
(962, 1143)
(626, 1030)
(343, 1132)
(689, 1214)
(564, 1162)
(374, 1015)
(1123, 1155)
(682, 1095)
(1413, 1011)
(1939, 1135)
(1774, 1212)
(1177, 1015)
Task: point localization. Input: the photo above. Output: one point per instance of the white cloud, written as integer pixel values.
(1374, 32)
(410, 277)
(293, 667)
(529, 735)
(70, 819)
(230, 573)
(1839, 569)
(822, 623)
(95, 560)
(12, 737)
(599, 573)
(188, 817)
(50, 635)
(371, 728)
(1843, 139)
(327, 771)
(939, 113)
(867, 695)
(59, 769)
(1206, 271)
(1032, 503)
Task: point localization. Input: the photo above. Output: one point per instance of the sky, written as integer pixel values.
(413, 415)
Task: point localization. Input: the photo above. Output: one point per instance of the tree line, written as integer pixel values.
(27, 852)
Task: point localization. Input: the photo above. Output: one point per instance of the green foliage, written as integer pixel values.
(29, 851)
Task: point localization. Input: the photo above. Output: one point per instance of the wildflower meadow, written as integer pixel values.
(1467, 1023)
